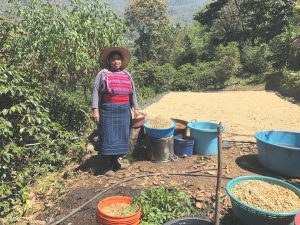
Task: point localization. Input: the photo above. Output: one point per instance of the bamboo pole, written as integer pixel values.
(217, 206)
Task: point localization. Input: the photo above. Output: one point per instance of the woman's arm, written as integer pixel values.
(133, 98)
(96, 97)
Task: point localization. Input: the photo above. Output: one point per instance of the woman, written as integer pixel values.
(113, 96)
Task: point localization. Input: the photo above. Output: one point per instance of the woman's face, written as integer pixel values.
(115, 62)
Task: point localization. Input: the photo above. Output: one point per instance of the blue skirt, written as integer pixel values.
(114, 128)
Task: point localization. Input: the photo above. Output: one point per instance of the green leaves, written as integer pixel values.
(147, 18)
(160, 205)
(62, 43)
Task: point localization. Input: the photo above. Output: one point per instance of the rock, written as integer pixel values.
(90, 147)
(199, 205)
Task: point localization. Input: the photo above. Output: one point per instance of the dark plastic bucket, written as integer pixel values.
(189, 221)
(183, 145)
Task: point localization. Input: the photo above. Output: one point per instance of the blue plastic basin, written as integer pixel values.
(254, 216)
(279, 151)
(159, 132)
(205, 135)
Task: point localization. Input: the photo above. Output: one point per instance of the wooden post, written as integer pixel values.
(217, 207)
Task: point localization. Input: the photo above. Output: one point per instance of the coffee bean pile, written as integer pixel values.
(160, 122)
(266, 196)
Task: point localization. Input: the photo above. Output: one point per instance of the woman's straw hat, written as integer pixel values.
(123, 51)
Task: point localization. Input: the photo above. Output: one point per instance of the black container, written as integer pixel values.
(189, 221)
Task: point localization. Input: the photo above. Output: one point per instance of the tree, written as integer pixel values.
(256, 21)
(61, 43)
(147, 18)
(197, 45)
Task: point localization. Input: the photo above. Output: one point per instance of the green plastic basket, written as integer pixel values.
(254, 216)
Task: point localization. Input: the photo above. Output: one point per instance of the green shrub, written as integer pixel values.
(68, 109)
(208, 77)
(160, 204)
(256, 59)
(280, 48)
(290, 83)
(157, 77)
(25, 120)
(186, 78)
(227, 62)
(294, 54)
(24, 117)
(144, 94)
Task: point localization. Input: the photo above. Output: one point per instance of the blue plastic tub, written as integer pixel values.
(159, 132)
(279, 151)
(205, 135)
(254, 216)
(183, 145)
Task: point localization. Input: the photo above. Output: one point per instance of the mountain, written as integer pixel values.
(180, 11)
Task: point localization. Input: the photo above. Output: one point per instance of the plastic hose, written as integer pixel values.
(129, 179)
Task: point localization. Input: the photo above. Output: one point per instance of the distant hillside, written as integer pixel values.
(181, 11)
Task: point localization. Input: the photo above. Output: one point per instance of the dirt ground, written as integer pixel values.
(242, 113)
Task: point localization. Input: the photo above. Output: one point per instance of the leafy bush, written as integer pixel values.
(208, 77)
(290, 83)
(196, 46)
(61, 42)
(186, 79)
(160, 205)
(294, 54)
(157, 77)
(256, 59)
(144, 94)
(68, 109)
(227, 63)
(280, 48)
(24, 120)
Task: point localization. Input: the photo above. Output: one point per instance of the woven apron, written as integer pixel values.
(114, 129)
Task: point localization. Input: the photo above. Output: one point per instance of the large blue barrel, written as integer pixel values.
(279, 151)
(205, 135)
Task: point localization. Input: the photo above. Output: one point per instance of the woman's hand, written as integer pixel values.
(96, 115)
(136, 113)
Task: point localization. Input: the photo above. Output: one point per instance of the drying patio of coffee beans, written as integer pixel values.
(266, 196)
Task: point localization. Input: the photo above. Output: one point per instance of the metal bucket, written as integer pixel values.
(160, 149)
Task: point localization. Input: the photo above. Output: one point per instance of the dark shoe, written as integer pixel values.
(116, 165)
